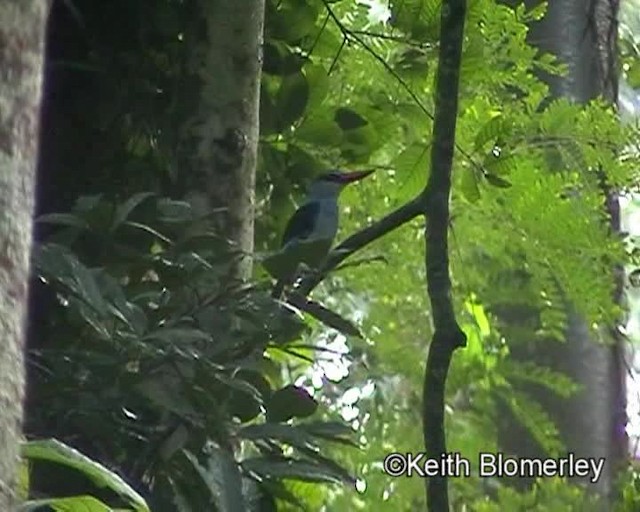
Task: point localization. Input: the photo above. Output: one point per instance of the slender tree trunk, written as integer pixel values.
(22, 27)
(219, 137)
(592, 423)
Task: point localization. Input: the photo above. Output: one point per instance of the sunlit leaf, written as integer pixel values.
(54, 451)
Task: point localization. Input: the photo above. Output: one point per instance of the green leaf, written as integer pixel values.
(358, 144)
(412, 61)
(290, 402)
(319, 82)
(172, 211)
(554, 381)
(469, 185)
(280, 59)
(319, 130)
(222, 477)
(181, 336)
(325, 315)
(148, 229)
(163, 390)
(63, 219)
(289, 434)
(496, 181)
(241, 385)
(305, 470)
(536, 419)
(412, 166)
(57, 264)
(348, 119)
(302, 163)
(293, 20)
(70, 504)
(419, 18)
(124, 210)
(330, 430)
(491, 131)
(499, 162)
(97, 212)
(633, 74)
(54, 451)
(291, 100)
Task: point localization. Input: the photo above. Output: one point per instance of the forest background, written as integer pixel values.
(154, 348)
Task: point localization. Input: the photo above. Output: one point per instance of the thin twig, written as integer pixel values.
(347, 33)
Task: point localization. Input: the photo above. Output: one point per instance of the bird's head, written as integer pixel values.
(332, 183)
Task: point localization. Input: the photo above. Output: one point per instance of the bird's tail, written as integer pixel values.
(283, 282)
(276, 293)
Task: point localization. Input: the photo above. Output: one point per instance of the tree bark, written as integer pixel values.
(219, 137)
(591, 423)
(22, 28)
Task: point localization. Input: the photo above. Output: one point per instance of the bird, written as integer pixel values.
(311, 230)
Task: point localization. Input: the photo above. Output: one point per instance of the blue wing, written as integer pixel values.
(302, 223)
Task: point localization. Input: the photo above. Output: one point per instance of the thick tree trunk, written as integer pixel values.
(592, 423)
(22, 26)
(219, 138)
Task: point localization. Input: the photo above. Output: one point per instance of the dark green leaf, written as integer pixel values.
(295, 469)
(54, 451)
(242, 385)
(280, 59)
(179, 336)
(289, 434)
(63, 219)
(291, 100)
(330, 430)
(124, 210)
(496, 181)
(173, 211)
(348, 119)
(70, 504)
(358, 145)
(290, 402)
(294, 20)
(163, 389)
(413, 62)
(325, 315)
(58, 264)
(222, 477)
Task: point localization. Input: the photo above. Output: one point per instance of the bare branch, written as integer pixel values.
(447, 333)
(364, 237)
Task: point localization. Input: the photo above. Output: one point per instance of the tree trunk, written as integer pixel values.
(22, 27)
(219, 137)
(591, 423)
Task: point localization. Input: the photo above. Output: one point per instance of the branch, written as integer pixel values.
(364, 237)
(433, 203)
(447, 333)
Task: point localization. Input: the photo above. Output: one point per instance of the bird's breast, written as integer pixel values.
(327, 222)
